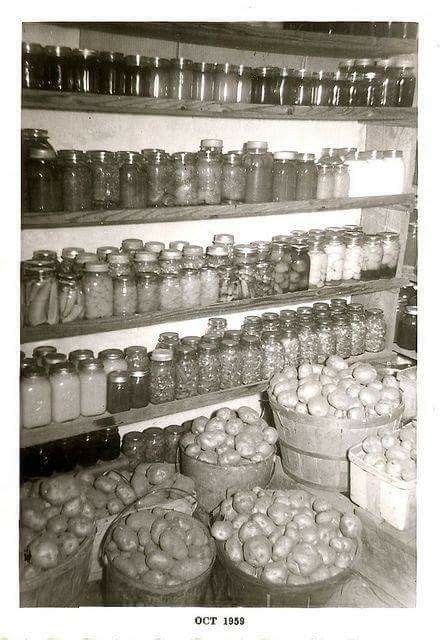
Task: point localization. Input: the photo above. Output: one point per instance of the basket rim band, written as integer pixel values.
(314, 485)
(311, 454)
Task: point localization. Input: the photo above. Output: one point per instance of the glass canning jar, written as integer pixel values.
(263, 249)
(105, 179)
(368, 83)
(132, 187)
(214, 145)
(172, 435)
(252, 326)
(308, 339)
(58, 68)
(85, 71)
(372, 255)
(40, 295)
(159, 78)
(233, 178)
(272, 354)
(98, 291)
(203, 81)
(338, 304)
(139, 382)
(105, 251)
(32, 66)
(341, 181)
(154, 247)
(244, 86)
(284, 176)
(210, 286)
(124, 291)
(118, 263)
(35, 398)
(217, 256)
(340, 89)
(277, 86)
(233, 334)
(93, 387)
(410, 257)
(158, 178)
(306, 177)
(185, 183)
(113, 360)
(43, 179)
(51, 359)
(318, 263)
(192, 257)
(30, 138)
(65, 392)
(154, 444)
(216, 327)
(326, 339)
(376, 331)
(387, 91)
(225, 82)
(251, 359)
(230, 363)
(137, 75)
(79, 264)
(186, 371)
(271, 321)
(209, 369)
(291, 345)
(225, 240)
(118, 392)
(258, 164)
(38, 353)
(322, 88)
(245, 260)
(264, 275)
(170, 261)
(191, 285)
(80, 355)
(353, 256)
(71, 305)
(170, 292)
(321, 307)
(280, 256)
(181, 79)
(168, 340)
(76, 180)
(192, 341)
(358, 327)
(299, 267)
(228, 285)
(391, 251)
(342, 332)
(288, 319)
(112, 73)
(406, 84)
(303, 83)
(137, 358)
(260, 85)
(335, 249)
(209, 177)
(325, 186)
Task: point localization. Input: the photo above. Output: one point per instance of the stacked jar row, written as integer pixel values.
(365, 82)
(55, 388)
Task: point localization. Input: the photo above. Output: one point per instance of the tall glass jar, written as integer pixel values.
(203, 81)
(210, 286)
(258, 164)
(118, 392)
(170, 261)
(326, 339)
(358, 327)
(98, 291)
(387, 91)
(244, 86)
(325, 186)
(306, 177)
(353, 256)
(181, 79)
(217, 256)
(340, 91)
(170, 292)
(80, 355)
(190, 284)
(322, 88)
(376, 331)
(124, 291)
(280, 256)
(105, 179)
(162, 376)
(132, 187)
(303, 82)
(112, 73)
(186, 371)
(159, 78)
(226, 82)
(70, 298)
(230, 363)
(342, 332)
(391, 251)
(137, 358)
(85, 71)
(192, 257)
(245, 260)
(308, 339)
(406, 84)
(209, 177)
(273, 354)
(40, 296)
(31, 138)
(32, 66)
(139, 383)
(43, 180)
(271, 321)
(284, 176)
(299, 267)
(335, 250)
(260, 85)
(93, 387)
(65, 392)
(291, 345)
(209, 370)
(185, 181)
(158, 178)
(318, 263)
(35, 398)
(369, 80)
(372, 255)
(264, 275)
(137, 75)
(233, 178)
(341, 181)
(251, 359)
(76, 180)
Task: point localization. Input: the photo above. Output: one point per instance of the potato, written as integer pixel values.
(59, 489)
(234, 549)
(193, 450)
(275, 573)
(57, 524)
(68, 543)
(282, 547)
(245, 444)
(356, 413)
(140, 519)
(339, 400)
(184, 483)
(369, 397)
(302, 409)
(279, 513)
(397, 453)
(33, 519)
(211, 440)
(97, 498)
(318, 406)
(187, 439)
(243, 501)
(125, 566)
(248, 415)
(308, 390)
(288, 399)
(173, 545)
(198, 425)
(390, 393)
(265, 523)
(72, 507)
(372, 444)
(125, 493)
(190, 568)
(105, 484)
(222, 530)
(208, 456)
(159, 472)
(336, 363)
(159, 560)
(364, 373)
(257, 551)
(225, 413)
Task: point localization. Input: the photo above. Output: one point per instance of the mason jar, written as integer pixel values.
(40, 295)
(368, 83)
(406, 84)
(299, 267)
(244, 86)
(186, 371)
(137, 75)
(58, 68)
(280, 259)
(32, 66)
(42, 177)
(210, 287)
(252, 326)
(168, 340)
(98, 291)
(118, 392)
(192, 257)
(158, 177)
(137, 358)
(225, 240)
(228, 284)
(391, 251)
(31, 139)
(170, 292)
(263, 249)
(203, 81)
(325, 186)
(209, 370)
(65, 392)
(85, 71)
(335, 249)
(322, 88)
(258, 164)
(214, 145)
(132, 187)
(303, 82)
(181, 79)
(306, 177)
(308, 340)
(159, 78)
(376, 331)
(217, 256)
(70, 298)
(271, 321)
(326, 339)
(139, 383)
(190, 284)
(291, 345)
(170, 261)
(318, 263)
(35, 398)
(273, 354)
(76, 180)
(340, 92)
(372, 255)
(245, 260)
(185, 183)
(342, 332)
(93, 387)
(288, 319)
(264, 275)
(162, 376)
(124, 291)
(154, 247)
(112, 73)
(209, 177)
(225, 82)
(341, 180)
(230, 363)
(284, 176)
(105, 179)
(80, 355)
(251, 359)
(113, 360)
(233, 178)
(260, 85)
(353, 256)
(358, 327)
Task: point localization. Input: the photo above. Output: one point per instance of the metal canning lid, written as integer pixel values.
(252, 319)
(43, 350)
(42, 154)
(60, 367)
(85, 257)
(130, 157)
(389, 235)
(80, 354)
(96, 267)
(118, 258)
(170, 254)
(261, 244)
(181, 62)
(231, 157)
(138, 374)
(132, 243)
(71, 252)
(321, 306)
(137, 61)
(85, 53)
(393, 153)
(245, 249)
(270, 315)
(154, 247)
(192, 341)
(118, 376)
(299, 246)
(284, 155)
(192, 250)
(184, 156)
(145, 256)
(304, 311)
(148, 152)
(107, 250)
(178, 245)
(256, 144)
(135, 349)
(57, 52)
(355, 306)
(44, 254)
(111, 56)
(86, 364)
(215, 143)
(216, 250)
(281, 238)
(306, 157)
(184, 349)
(101, 155)
(161, 355)
(204, 67)
(75, 155)
(228, 342)
(226, 67)
(33, 371)
(372, 237)
(224, 238)
(170, 336)
(110, 354)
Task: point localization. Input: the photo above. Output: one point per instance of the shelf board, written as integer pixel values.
(405, 352)
(95, 103)
(208, 212)
(87, 327)
(58, 431)
(245, 36)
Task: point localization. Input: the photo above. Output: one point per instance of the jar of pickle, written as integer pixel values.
(209, 370)
(98, 291)
(210, 286)
(258, 164)
(112, 73)
(159, 78)
(154, 438)
(230, 363)
(105, 179)
(70, 298)
(280, 260)
(209, 177)
(118, 391)
(190, 284)
(170, 292)
(244, 86)
(35, 398)
(358, 328)
(318, 263)
(308, 339)
(181, 79)
(306, 177)
(251, 359)
(133, 447)
(124, 291)
(372, 255)
(342, 332)
(226, 82)
(335, 249)
(93, 387)
(326, 339)
(65, 392)
(376, 331)
(273, 354)
(132, 187)
(137, 75)
(299, 267)
(32, 66)
(76, 180)
(391, 251)
(228, 285)
(85, 71)
(162, 376)
(186, 371)
(245, 260)
(158, 178)
(291, 345)
(185, 182)
(353, 256)
(40, 296)
(68, 258)
(284, 176)
(137, 358)
(203, 81)
(233, 178)
(170, 261)
(113, 360)
(80, 355)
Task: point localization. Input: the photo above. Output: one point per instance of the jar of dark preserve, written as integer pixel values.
(139, 389)
(406, 84)
(31, 139)
(322, 88)
(86, 447)
(132, 186)
(260, 85)
(43, 181)
(137, 75)
(172, 435)
(108, 443)
(76, 180)
(85, 71)
(226, 82)
(407, 329)
(32, 66)
(304, 83)
(159, 78)
(133, 446)
(244, 87)
(59, 68)
(388, 84)
(340, 89)
(154, 444)
(181, 79)
(118, 391)
(275, 85)
(203, 81)
(111, 73)
(368, 83)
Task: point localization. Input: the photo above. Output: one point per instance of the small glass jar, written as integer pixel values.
(158, 178)
(98, 291)
(326, 339)
(376, 331)
(322, 88)
(244, 86)
(306, 177)
(80, 355)
(113, 360)
(299, 267)
(85, 71)
(209, 177)
(118, 392)
(35, 398)
(341, 179)
(288, 319)
(353, 256)
(340, 90)
(230, 363)
(318, 263)
(284, 176)
(185, 184)
(372, 255)
(170, 292)
(406, 84)
(191, 285)
(209, 286)
(181, 79)
(192, 257)
(304, 83)
(124, 291)
(93, 387)
(133, 447)
(226, 82)
(264, 275)
(203, 82)
(308, 340)
(260, 85)
(170, 261)
(342, 332)
(76, 180)
(217, 256)
(273, 354)
(33, 64)
(245, 260)
(391, 251)
(172, 435)
(71, 304)
(43, 182)
(159, 78)
(137, 358)
(280, 259)
(65, 392)
(358, 328)
(291, 346)
(108, 443)
(258, 164)
(112, 73)
(137, 75)
(139, 388)
(209, 369)
(105, 179)
(132, 187)
(233, 178)
(387, 91)
(154, 438)
(325, 186)
(38, 353)
(40, 296)
(186, 371)
(251, 359)
(335, 250)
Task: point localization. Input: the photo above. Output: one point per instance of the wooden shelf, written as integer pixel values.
(207, 212)
(94, 103)
(245, 36)
(405, 352)
(86, 327)
(58, 431)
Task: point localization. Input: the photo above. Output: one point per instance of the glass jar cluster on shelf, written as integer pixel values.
(145, 277)
(60, 388)
(74, 180)
(405, 30)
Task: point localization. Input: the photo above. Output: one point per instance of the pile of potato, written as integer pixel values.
(336, 389)
(394, 453)
(230, 438)
(286, 537)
